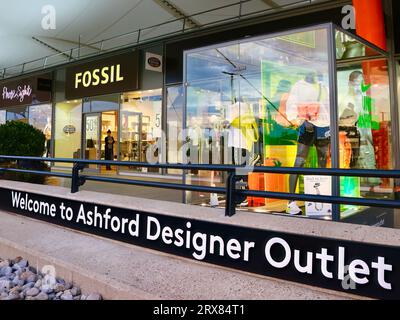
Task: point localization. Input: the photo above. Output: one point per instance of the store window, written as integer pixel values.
(17, 114)
(175, 104)
(261, 101)
(68, 127)
(40, 117)
(364, 121)
(141, 128)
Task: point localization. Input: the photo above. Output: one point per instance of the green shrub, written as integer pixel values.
(22, 139)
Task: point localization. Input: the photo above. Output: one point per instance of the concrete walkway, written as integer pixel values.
(122, 271)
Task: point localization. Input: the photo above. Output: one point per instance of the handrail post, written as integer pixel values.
(77, 181)
(230, 207)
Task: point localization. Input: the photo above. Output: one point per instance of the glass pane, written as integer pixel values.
(91, 142)
(68, 124)
(17, 114)
(40, 117)
(3, 116)
(365, 132)
(175, 103)
(347, 47)
(212, 63)
(262, 102)
(109, 136)
(141, 120)
(104, 103)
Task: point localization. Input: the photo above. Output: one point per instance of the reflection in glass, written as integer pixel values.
(364, 128)
(91, 138)
(175, 104)
(3, 116)
(40, 117)
(347, 47)
(17, 114)
(263, 101)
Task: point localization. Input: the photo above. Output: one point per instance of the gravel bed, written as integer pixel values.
(20, 281)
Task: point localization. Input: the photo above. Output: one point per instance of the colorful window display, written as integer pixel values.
(268, 101)
(364, 119)
(264, 101)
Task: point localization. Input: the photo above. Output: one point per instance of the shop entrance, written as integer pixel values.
(96, 126)
(141, 114)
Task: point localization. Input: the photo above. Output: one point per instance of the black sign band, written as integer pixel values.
(351, 267)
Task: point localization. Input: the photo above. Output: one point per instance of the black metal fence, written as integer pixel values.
(234, 174)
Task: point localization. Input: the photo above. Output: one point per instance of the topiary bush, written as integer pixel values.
(22, 139)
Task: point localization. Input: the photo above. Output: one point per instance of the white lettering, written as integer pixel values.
(202, 247)
(220, 241)
(308, 268)
(288, 253)
(325, 257)
(15, 196)
(359, 267)
(382, 267)
(166, 235)
(232, 247)
(149, 235)
(17, 94)
(135, 224)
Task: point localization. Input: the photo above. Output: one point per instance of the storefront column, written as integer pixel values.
(334, 120)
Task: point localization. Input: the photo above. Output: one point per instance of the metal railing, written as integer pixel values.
(140, 36)
(235, 174)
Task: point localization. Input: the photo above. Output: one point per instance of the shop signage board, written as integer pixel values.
(153, 62)
(114, 74)
(69, 129)
(29, 91)
(352, 267)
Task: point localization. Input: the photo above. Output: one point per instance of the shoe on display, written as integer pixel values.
(254, 159)
(214, 200)
(294, 209)
(244, 204)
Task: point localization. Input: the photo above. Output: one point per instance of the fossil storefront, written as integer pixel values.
(101, 114)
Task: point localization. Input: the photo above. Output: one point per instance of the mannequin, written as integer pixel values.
(308, 108)
(243, 132)
(47, 133)
(194, 135)
(357, 114)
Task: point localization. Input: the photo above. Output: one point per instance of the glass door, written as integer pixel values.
(140, 123)
(91, 140)
(130, 136)
(109, 131)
